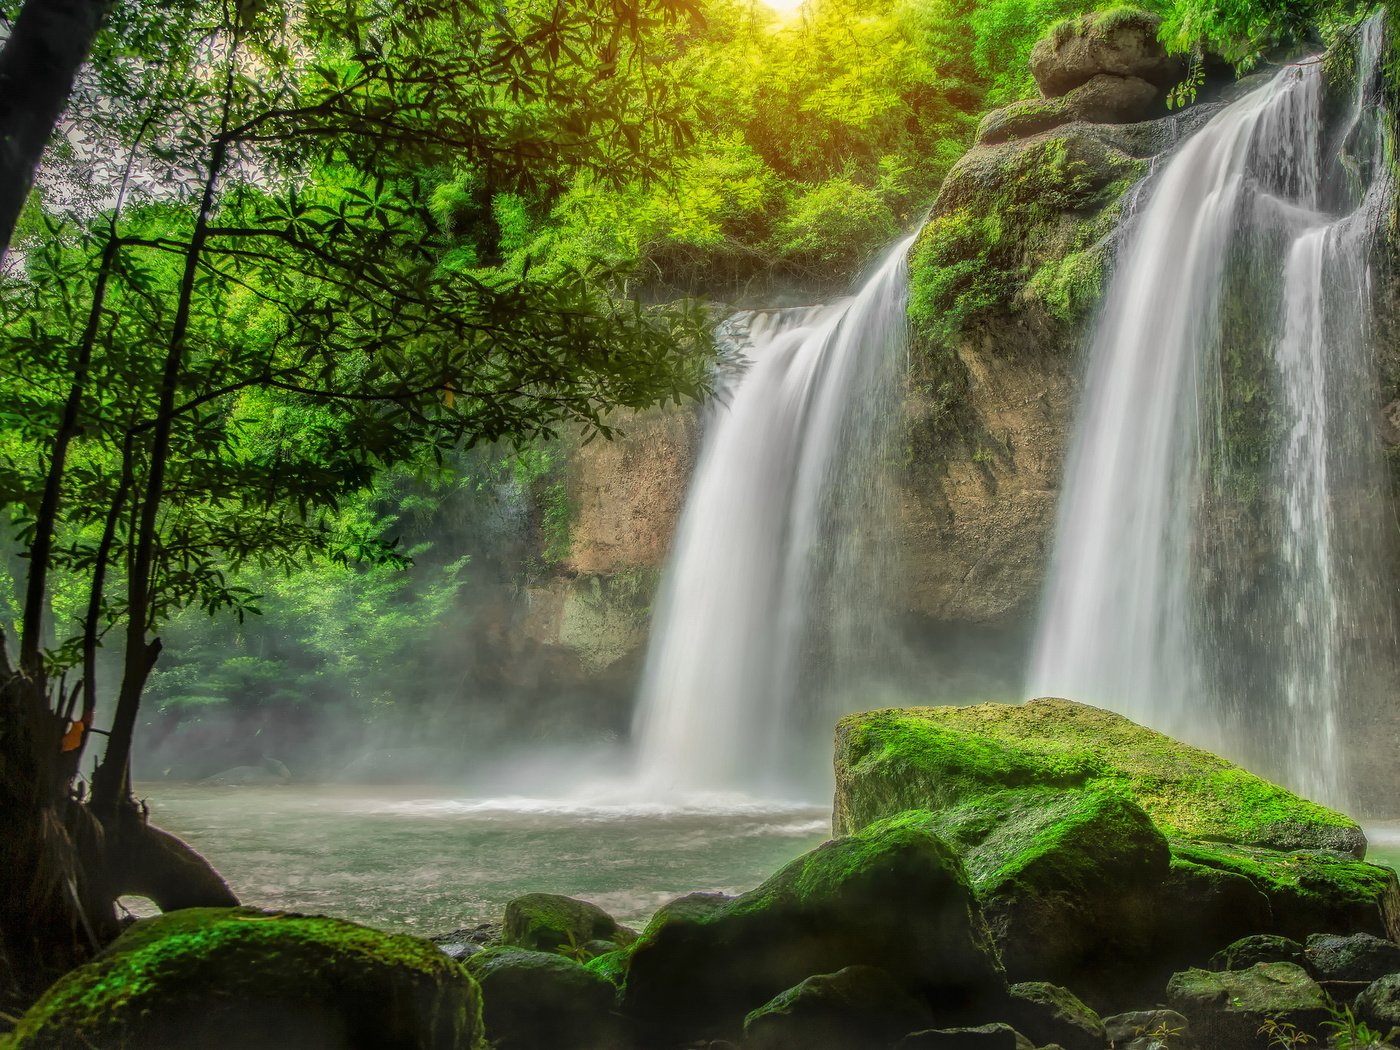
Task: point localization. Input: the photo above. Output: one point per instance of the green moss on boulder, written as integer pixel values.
(936, 757)
(1233, 1008)
(536, 999)
(1309, 891)
(1007, 212)
(858, 1008)
(893, 896)
(1065, 877)
(233, 978)
(547, 921)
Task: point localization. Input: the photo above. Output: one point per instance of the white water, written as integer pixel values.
(772, 580)
(1197, 584)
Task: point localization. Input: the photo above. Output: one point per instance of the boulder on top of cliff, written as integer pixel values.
(547, 921)
(935, 757)
(233, 978)
(894, 896)
(1121, 42)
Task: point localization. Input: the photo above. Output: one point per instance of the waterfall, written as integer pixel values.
(772, 582)
(1216, 550)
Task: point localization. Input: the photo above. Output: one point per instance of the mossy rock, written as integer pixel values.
(1357, 958)
(939, 757)
(1120, 42)
(1236, 1008)
(894, 896)
(233, 978)
(1046, 1013)
(1008, 212)
(1066, 878)
(1257, 948)
(1309, 891)
(858, 1008)
(547, 922)
(1022, 119)
(1379, 1005)
(536, 999)
(981, 1037)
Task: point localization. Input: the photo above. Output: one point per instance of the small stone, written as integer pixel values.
(983, 1037)
(541, 999)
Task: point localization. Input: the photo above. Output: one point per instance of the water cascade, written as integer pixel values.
(1218, 544)
(769, 590)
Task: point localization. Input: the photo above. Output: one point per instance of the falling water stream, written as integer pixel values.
(772, 574)
(1210, 572)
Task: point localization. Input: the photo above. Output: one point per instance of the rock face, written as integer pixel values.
(1121, 43)
(893, 896)
(229, 979)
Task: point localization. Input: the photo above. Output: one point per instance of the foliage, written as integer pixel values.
(1350, 1034)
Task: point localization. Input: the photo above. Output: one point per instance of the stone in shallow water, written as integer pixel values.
(234, 978)
(546, 921)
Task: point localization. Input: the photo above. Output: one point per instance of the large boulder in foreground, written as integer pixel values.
(935, 757)
(536, 999)
(894, 896)
(233, 978)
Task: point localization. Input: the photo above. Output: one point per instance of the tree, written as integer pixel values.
(298, 230)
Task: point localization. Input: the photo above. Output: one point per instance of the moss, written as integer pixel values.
(225, 965)
(611, 966)
(1006, 214)
(936, 757)
(1309, 891)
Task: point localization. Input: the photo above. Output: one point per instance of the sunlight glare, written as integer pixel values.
(785, 6)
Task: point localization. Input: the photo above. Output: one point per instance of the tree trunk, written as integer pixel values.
(39, 64)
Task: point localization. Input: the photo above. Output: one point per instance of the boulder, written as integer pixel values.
(1065, 878)
(1309, 890)
(1121, 42)
(933, 757)
(547, 921)
(1358, 958)
(233, 978)
(1245, 1008)
(1023, 119)
(1203, 908)
(858, 1008)
(1379, 1005)
(1109, 99)
(893, 896)
(1046, 1013)
(1261, 947)
(1148, 1029)
(541, 999)
(983, 1037)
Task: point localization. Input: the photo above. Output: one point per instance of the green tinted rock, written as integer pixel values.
(1237, 1008)
(1046, 1013)
(542, 999)
(547, 921)
(894, 896)
(858, 1008)
(234, 978)
(898, 759)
